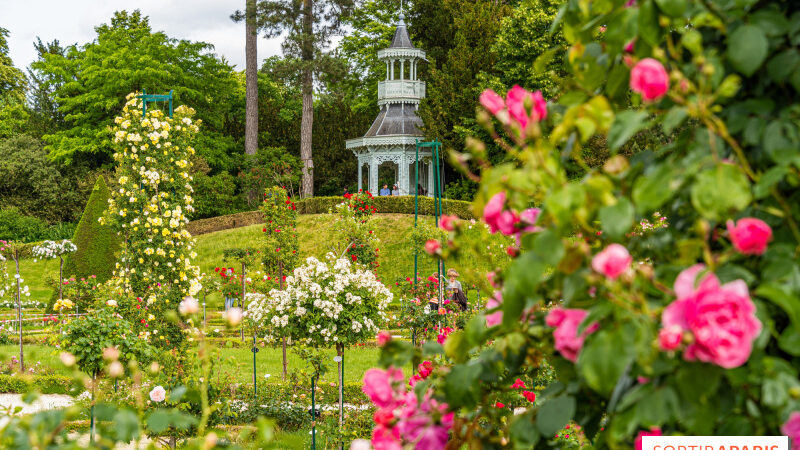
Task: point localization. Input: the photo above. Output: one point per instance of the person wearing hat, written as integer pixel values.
(454, 290)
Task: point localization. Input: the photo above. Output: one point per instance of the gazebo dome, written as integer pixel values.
(395, 131)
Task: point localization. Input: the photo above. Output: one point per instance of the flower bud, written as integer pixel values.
(67, 358)
(233, 316)
(110, 354)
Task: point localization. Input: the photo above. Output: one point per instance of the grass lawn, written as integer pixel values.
(314, 232)
(235, 362)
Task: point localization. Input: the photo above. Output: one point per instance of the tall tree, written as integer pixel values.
(309, 26)
(251, 80)
(13, 114)
(127, 55)
(45, 116)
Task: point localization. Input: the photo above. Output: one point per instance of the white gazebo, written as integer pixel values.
(393, 135)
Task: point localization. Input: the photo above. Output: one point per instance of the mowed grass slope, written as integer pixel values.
(315, 234)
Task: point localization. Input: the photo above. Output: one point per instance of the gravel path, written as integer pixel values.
(8, 402)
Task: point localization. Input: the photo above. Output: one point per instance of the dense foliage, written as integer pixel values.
(643, 338)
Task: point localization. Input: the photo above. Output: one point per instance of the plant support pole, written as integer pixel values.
(19, 313)
(241, 304)
(255, 350)
(313, 414)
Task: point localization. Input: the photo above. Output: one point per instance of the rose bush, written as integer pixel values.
(690, 328)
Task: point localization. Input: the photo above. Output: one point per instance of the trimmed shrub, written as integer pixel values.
(45, 384)
(96, 243)
(243, 219)
(16, 226)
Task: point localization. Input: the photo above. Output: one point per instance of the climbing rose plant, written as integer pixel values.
(690, 329)
(149, 212)
(280, 232)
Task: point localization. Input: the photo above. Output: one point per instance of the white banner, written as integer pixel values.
(715, 443)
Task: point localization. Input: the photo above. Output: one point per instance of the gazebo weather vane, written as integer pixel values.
(155, 98)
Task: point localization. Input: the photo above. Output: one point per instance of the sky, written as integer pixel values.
(73, 21)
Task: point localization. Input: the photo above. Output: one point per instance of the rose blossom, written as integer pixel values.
(750, 236)
(432, 246)
(721, 318)
(447, 222)
(493, 209)
(613, 261)
(637, 444)
(507, 222)
(493, 102)
(360, 444)
(158, 394)
(649, 78)
(566, 323)
(383, 338)
(189, 305)
(494, 318)
(792, 429)
(378, 385)
(529, 218)
(233, 316)
(669, 338)
(515, 100)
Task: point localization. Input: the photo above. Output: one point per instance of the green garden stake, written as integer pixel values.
(313, 414)
(115, 385)
(254, 350)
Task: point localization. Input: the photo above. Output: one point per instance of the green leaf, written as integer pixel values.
(782, 299)
(126, 426)
(698, 382)
(626, 124)
(789, 341)
(747, 49)
(177, 394)
(720, 192)
(769, 179)
(522, 432)
(672, 8)
(603, 360)
(617, 219)
(674, 119)
(781, 142)
(649, 29)
(782, 65)
(658, 408)
(554, 414)
(548, 246)
(692, 40)
(523, 277)
(461, 385)
(158, 421)
(652, 189)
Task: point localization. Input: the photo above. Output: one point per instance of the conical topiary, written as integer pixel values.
(96, 243)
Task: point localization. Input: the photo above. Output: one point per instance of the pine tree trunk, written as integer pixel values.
(307, 121)
(251, 80)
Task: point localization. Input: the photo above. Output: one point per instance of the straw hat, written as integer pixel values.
(452, 273)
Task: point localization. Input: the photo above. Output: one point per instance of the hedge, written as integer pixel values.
(242, 219)
(390, 205)
(97, 244)
(321, 205)
(45, 384)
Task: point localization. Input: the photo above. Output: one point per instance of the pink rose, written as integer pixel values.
(385, 438)
(566, 323)
(650, 79)
(383, 338)
(425, 369)
(517, 109)
(507, 222)
(750, 236)
(378, 385)
(158, 394)
(432, 246)
(721, 318)
(494, 318)
(637, 444)
(613, 261)
(529, 218)
(493, 209)
(492, 101)
(792, 429)
(629, 46)
(447, 222)
(669, 338)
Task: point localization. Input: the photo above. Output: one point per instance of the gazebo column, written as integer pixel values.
(430, 178)
(402, 69)
(403, 182)
(373, 175)
(360, 176)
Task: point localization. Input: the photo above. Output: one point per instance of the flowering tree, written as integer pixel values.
(334, 303)
(52, 250)
(16, 287)
(149, 209)
(687, 329)
(354, 233)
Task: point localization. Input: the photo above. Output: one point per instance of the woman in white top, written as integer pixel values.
(454, 290)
